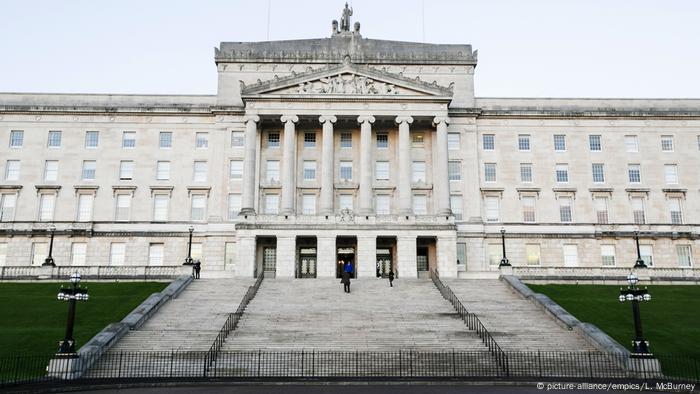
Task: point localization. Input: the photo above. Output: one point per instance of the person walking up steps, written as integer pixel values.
(391, 278)
(346, 281)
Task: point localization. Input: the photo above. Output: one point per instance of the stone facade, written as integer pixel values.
(365, 147)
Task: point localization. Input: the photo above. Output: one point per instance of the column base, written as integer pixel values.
(247, 212)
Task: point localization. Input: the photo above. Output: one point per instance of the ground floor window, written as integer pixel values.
(685, 259)
(570, 255)
(117, 253)
(646, 251)
(532, 252)
(607, 253)
(40, 250)
(461, 253)
(495, 254)
(78, 253)
(155, 254)
(3, 253)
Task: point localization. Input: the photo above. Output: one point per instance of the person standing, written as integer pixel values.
(346, 281)
(197, 268)
(348, 268)
(391, 278)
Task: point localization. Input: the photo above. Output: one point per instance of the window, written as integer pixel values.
(646, 251)
(229, 254)
(453, 141)
(461, 253)
(638, 213)
(607, 253)
(47, 203)
(51, 170)
(454, 170)
(495, 254)
(594, 143)
(565, 209)
(492, 211)
(685, 259)
(201, 140)
(532, 253)
(162, 170)
(160, 207)
(383, 203)
(562, 173)
(524, 142)
(8, 202)
(671, 174)
(631, 143)
(667, 143)
(309, 170)
(273, 140)
(235, 170)
(85, 203)
(489, 172)
(16, 138)
(528, 209)
(272, 171)
(345, 201)
(129, 139)
(418, 172)
(200, 171)
(382, 141)
(155, 254)
(345, 140)
(237, 139)
(634, 173)
(674, 206)
(117, 253)
(54, 139)
(12, 170)
(197, 251)
(92, 139)
(417, 140)
(89, 169)
(570, 255)
(272, 202)
(199, 207)
(420, 204)
(165, 139)
(346, 171)
(126, 170)
(601, 209)
(78, 253)
(526, 172)
(309, 140)
(40, 250)
(598, 171)
(123, 207)
(488, 141)
(559, 142)
(3, 253)
(308, 204)
(456, 206)
(381, 170)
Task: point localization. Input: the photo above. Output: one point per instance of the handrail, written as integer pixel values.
(472, 322)
(231, 323)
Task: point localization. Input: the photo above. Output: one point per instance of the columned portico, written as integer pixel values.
(441, 183)
(327, 165)
(365, 164)
(289, 164)
(249, 162)
(404, 162)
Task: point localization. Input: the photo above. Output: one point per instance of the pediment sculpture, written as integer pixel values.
(347, 84)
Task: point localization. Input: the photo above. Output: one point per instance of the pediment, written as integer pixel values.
(346, 80)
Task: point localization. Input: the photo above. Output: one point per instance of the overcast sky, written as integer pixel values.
(527, 48)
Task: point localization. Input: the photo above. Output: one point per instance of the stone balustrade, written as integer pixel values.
(613, 274)
(93, 272)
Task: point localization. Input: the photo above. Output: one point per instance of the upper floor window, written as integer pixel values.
(235, 169)
(489, 172)
(309, 170)
(85, 203)
(199, 207)
(383, 204)
(382, 170)
(488, 141)
(129, 139)
(345, 201)
(8, 201)
(674, 206)
(418, 172)
(47, 203)
(492, 208)
(634, 173)
(16, 138)
(524, 142)
(237, 139)
(667, 143)
(308, 204)
(201, 140)
(200, 171)
(417, 140)
(671, 174)
(565, 215)
(160, 207)
(273, 140)
(638, 212)
(346, 140)
(272, 202)
(562, 173)
(631, 143)
(559, 142)
(54, 140)
(123, 207)
(89, 170)
(92, 139)
(345, 171)
(234, 206)
(12, 170)
(601, 209)
(272, 170)
(382, 141)
(598, 172)
(126, 170)
(420, 204)
(309, 140)
(528, 209)
(526, 172)
(453, 141)
(456, 206)
(163, 170)
(454, 170)
(51, 170)
(165, 139)
(594, 143)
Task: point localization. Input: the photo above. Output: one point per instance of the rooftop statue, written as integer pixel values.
(344, 25)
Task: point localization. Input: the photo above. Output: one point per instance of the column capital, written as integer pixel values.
(401, 119)
(251, 118)
(365, 118)
(441, 119)
(289, 118)
(327, 118)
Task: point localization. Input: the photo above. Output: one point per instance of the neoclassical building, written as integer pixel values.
(350, 149)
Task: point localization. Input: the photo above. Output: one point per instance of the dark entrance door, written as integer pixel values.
(422, 259)
(306, 267)
(346, 255)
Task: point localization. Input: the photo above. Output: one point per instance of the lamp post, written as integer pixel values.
(640, 262)
(66, 347)
(188, 260)
(640, 346)
(48, 261)
(504, 260)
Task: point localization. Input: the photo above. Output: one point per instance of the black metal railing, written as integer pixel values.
(232, 322)
(314, 364)
(472, 322)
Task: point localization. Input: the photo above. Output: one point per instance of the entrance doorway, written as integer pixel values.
(306, 257)
(345, 256)
(266, 256)
(426, 256)
(386, 249)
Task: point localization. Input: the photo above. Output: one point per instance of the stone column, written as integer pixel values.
(447, 255)
(406, 256)
(289, 164)
(366, 256)
(325, 256)
(405, 207)
(245, 258)
(286, 256)
(365, 164)
(249, 162)
(327, 166)
(441, 182)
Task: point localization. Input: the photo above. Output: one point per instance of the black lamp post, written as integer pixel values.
(640, 262)
(504, 260)
(188, 260)
(48, 261)
(66, 347)
(640, 346)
